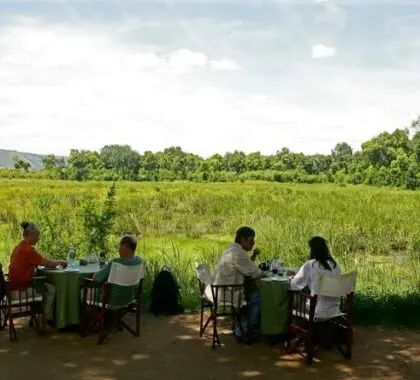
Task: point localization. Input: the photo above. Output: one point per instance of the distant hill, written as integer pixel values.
(6, 159)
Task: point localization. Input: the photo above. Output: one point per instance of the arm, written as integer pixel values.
(301, 280)
(255, 254)
(103, 274)
(37, 259)
(244, 264)
(52, 263)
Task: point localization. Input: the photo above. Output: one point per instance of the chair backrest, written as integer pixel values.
(203, 274)
(301, 305)
(125, 282)
(126, 275)
(228, 299)
(336, 286)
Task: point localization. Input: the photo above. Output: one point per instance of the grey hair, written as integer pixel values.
(29, 228)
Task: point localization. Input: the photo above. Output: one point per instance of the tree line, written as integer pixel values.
(389, 159)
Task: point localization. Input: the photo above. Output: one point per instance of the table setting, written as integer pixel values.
(67, 285)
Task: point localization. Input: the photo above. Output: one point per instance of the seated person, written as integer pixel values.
(24, 261)
(320, 261)
(233, 266)
(127, 249)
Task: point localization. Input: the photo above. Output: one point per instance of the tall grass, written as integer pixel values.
(374, 231)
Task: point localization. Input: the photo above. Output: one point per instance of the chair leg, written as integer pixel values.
(91, 323)
(12, 329)
(310, 352)
(101, 330)
(138, 321)
(349, 344)
(216, 339)
(117, 321)
(3, 320)
(38, 319)
(201, 320)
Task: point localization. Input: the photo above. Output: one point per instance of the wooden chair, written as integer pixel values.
(228, 301)
(24, 300)
(205, 279)
(105, 305)
(306, 332)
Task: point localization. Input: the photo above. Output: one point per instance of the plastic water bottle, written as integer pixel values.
(102, 259)
(72, 253)
(281, 266)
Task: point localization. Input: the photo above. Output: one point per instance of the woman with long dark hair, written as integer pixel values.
(320, 261)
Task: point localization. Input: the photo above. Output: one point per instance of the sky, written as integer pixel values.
(210, 76)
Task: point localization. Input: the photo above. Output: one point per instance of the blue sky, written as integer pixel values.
(210, 76)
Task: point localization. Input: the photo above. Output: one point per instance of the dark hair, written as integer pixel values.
(24, 225)
(29, 228)
(130, 242)
(320, 252)
(244, 233)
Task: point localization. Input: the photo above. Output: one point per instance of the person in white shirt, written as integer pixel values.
(233, 266)
(320, 261)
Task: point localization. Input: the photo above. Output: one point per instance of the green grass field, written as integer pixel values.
(374, 231)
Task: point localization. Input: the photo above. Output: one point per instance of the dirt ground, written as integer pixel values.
(170, 348)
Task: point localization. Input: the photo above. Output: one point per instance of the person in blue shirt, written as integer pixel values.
(127, 249)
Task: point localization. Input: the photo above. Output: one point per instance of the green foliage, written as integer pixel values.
(98, 222)
(373, 231)
(21, 164)
(389, 159)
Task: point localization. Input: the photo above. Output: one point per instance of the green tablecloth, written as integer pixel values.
(274, 306)
(67, 285)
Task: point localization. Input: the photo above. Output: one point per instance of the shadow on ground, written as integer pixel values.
(170, 348)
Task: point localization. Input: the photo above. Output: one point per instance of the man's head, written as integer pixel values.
(128, 245)
(245, 237)
(31, 232)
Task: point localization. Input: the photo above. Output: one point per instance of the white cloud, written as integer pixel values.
(224, 65)
(184, 60)
(79, 86)
(320, 51)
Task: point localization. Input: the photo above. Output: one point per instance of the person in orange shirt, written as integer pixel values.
(24, 261)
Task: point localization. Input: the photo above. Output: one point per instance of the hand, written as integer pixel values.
(63, 263)
(256, 252)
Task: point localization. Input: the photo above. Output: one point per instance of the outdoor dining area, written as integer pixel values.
(307, 308)
(80, 303)
(286, 314)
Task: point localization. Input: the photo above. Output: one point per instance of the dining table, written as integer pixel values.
(67, 285)
(274, 303)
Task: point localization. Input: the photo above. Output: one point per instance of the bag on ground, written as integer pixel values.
(165, 297)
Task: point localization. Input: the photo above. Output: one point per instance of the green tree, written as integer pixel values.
(98, 222)
(255, 161)
(235, 162)
(341, 156)
(121, 159)
(84, 164)
(415, 125)
(21, 164)
(382, 150)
